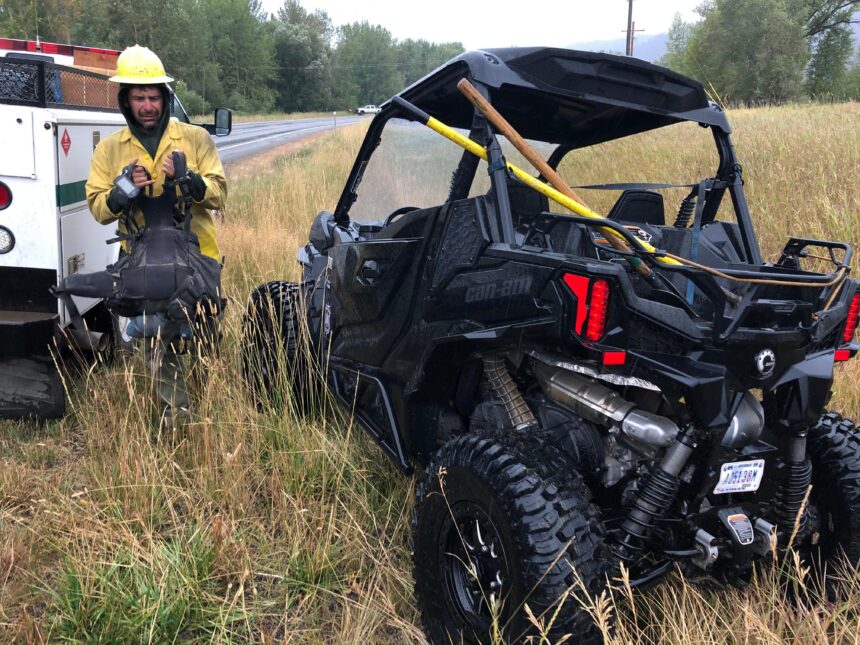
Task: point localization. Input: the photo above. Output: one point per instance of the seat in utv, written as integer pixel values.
(581, 392)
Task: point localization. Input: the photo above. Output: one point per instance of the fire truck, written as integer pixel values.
(56, 104)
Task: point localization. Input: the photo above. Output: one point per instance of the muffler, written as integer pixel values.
(91, 341)
(601, 405)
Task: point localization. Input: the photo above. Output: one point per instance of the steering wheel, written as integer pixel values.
(400, 211)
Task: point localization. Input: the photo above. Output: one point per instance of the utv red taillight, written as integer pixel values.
(592, 305)
(598, 306)
(5, 196)
(853, 317)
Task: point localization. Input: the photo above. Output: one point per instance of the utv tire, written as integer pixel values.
(481, 507)
(276, 360)
(834, 446)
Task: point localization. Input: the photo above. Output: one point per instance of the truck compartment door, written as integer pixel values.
(16, 142)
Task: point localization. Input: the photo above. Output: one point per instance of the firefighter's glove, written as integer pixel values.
(198, 186)
(117, 201)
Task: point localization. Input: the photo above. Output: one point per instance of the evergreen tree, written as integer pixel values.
(50, 20)
(241, 45)
(415, 58)
(365, 69)
(303, 55)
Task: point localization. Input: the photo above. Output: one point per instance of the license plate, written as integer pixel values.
(740, 477)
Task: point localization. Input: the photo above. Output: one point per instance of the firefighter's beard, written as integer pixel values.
(148, 121)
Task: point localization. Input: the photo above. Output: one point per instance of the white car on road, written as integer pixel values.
(368, 109)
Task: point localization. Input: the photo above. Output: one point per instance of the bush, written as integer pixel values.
(191, 100)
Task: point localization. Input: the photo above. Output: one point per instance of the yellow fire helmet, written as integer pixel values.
(139, 66)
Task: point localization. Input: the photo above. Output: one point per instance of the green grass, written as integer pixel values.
(272, 528)
(164, 591)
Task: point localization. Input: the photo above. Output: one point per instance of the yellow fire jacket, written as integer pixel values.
(121, 148)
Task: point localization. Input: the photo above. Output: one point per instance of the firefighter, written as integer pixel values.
(148, 141)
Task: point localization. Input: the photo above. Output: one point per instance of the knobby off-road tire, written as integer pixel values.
(834, 448)
(276, 355)
(487, 526)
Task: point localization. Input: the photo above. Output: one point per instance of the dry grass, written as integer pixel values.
(284, 116)
(270, 528)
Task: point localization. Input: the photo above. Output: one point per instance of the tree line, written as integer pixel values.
(232, 53)
(756, 51)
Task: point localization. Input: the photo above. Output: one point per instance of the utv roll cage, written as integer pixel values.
(576, 99)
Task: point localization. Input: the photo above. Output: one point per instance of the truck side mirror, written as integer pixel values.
(223, 121)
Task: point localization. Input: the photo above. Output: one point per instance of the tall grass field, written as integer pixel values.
(273, 528)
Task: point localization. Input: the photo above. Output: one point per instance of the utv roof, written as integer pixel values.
(564, 96)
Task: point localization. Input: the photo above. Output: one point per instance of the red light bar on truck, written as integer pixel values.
(51, 48)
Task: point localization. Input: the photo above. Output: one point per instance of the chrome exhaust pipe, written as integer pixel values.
(91, 341)
(604, 406)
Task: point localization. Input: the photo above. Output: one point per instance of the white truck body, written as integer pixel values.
(51, 118)
(46, 172)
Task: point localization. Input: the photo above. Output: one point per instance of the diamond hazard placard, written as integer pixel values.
(66, 142)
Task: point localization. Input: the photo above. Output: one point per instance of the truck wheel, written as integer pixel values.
(275, 352)
(834, 446)
(31, 388)
(490, 536)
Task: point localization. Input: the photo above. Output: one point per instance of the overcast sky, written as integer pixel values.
(481, 24)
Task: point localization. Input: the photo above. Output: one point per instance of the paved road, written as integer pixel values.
(248, 139)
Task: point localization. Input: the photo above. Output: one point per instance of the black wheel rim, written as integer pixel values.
(475, 565)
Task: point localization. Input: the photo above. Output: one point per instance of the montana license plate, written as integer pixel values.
(740, 477)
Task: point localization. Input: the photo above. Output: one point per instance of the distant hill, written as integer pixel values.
(647, 47)
(652, 47)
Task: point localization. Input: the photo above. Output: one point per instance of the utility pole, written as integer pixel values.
(631, 28)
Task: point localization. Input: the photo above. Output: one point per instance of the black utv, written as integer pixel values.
(571, 412)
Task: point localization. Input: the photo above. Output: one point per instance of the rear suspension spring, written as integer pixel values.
(788, 498)
(656, 496)
(506, 390)
(653, 501)
(685, 211)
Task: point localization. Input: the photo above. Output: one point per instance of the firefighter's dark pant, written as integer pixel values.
(175, 364)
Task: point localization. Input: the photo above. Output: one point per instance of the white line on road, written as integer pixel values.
(273, 136)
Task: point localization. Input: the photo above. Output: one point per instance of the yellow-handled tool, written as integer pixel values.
(477, 149)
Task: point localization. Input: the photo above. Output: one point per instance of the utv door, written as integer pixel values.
(374, 283)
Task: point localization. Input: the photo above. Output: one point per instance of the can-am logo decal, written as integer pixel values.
(765, 361)
(501, 289)
(66, 142)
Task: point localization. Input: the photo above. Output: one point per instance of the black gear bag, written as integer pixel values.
(163, 270)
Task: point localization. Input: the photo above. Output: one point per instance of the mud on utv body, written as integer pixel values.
(571, 414)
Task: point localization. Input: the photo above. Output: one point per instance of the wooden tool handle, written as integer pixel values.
(501, 124)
